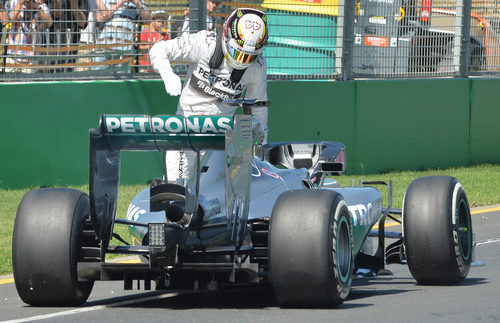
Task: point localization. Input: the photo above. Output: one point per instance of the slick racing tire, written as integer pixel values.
(437, 230)
(45, 247)
(311, 249)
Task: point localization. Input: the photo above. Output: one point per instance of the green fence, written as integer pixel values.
(385, 125)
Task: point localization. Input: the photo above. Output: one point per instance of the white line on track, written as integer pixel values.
(91, 308)
(478, 243)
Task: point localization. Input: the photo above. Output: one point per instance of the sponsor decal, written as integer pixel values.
(377, 41)
(255, 171)
(402, 13)
(127, 124)
(181, 164)
(268, 173)
(224, 82)
(206, 83)
(252, 25)
(365, 214)
(425, 11)
(168, 124)
(382, 1)
(394, 41)
(377, 20)
(357, 39)
(207, 88)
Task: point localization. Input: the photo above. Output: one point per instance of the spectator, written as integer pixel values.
(220, 67)
(4, 31)
(180, 25)
(4, 14)
(117, 36)
(88, 36)
(29, 19)
(68, 19)
(154, 34)
(67, 16)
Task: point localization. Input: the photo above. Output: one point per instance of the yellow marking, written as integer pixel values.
(402, 13)
(491, 209)
(131, 261)
(135, 242)
(388, 224)
(6, 281)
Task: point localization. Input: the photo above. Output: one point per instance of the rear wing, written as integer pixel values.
(162, 133)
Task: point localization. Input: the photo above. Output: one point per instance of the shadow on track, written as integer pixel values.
(259, 297)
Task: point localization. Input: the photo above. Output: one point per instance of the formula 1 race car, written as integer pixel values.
(251, 214)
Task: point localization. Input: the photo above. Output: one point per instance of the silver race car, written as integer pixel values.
(251, 214)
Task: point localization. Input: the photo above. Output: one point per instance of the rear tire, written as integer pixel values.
(437, 230)
(46, 245)
(311, 248)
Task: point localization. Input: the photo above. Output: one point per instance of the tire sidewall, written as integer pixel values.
(82, 210)
(459, 200)
(339, 219)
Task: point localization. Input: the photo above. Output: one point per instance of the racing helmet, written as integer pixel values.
(244, 37)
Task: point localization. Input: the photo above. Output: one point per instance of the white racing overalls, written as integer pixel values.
(204, 89)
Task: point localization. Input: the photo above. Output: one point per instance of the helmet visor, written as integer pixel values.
(241, 57)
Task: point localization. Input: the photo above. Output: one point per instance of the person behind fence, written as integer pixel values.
(180, 25)
(4, 30)
(116, 38)
(88, 36)
(153, 34)
(4, 14)
(30, 20)
(68, 19)
(221, 66)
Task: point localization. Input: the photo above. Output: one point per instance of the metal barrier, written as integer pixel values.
(309, 39)
(403, 38)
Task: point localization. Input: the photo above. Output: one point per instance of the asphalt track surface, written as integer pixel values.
(395, 298)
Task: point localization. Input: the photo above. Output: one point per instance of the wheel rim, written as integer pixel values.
(463, 229)
(343, 249)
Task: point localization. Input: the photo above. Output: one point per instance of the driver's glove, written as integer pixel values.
(172, 82)
(161, 64)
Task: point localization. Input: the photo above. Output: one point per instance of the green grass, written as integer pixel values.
(480, 183)
(10, 199)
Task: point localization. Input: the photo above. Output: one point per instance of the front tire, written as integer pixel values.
(45, 247)
(311, 248)
(437, 230)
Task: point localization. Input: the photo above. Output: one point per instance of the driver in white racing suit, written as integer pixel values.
(220, 68)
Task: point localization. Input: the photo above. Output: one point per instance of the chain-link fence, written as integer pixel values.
(308, 39)
(425, 39)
